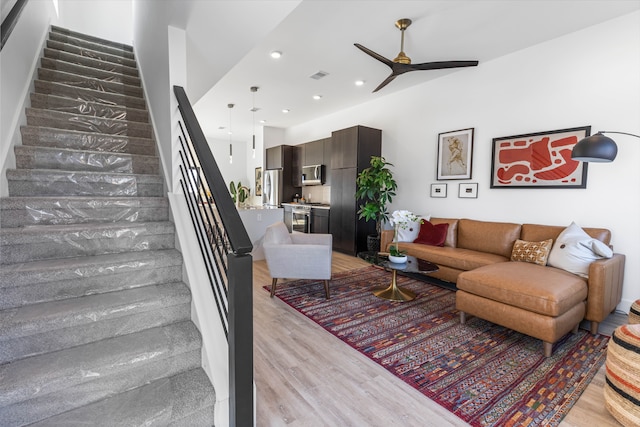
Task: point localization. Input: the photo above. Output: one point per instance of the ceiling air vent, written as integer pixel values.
(319, 75)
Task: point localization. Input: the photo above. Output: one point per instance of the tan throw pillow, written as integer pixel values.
(533, 252)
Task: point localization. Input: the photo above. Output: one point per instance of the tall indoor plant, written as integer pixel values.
(375, 188)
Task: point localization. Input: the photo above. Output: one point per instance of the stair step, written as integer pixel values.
(78, 106)
(88, 82)
(49, 182)
(64, 241)
(90, 53)
(38, 387)
(70, 39)
(94, 39)
(59, 89)
(70, 121)
(73, 58)
(68, 67)
(63, 138)
(50, 326)
(186, 399)
(25, 211)
(53, 280)
(84, 160)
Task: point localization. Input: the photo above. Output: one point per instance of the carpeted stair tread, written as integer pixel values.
(63, 138)
(73, 58)
(88, 37)
(48, 316)
(95, 54)
(54, 325)
(88, 82)
(55, 279)
(64, 241)
(84, 160)
(89, 108)
(83, 70)
(38, 387)
(71, 39)
(62, 120)
(25, 211)
(168, 401)
(50, 182)
(60, 89)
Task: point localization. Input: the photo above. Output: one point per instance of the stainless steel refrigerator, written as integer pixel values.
(272, 187)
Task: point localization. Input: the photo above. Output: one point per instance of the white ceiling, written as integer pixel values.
(318, 35)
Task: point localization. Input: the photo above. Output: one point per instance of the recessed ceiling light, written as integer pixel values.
(263, 121)
(316, 97)
(285, 110)
(276, 54)
(359, 82)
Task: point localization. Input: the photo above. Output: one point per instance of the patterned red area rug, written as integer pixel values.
(485, 374)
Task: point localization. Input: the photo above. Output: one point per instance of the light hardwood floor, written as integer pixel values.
(305, 376)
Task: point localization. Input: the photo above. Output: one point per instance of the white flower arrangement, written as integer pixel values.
(402, 218)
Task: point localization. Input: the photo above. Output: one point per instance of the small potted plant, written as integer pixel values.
(399, 219)
(375, 188)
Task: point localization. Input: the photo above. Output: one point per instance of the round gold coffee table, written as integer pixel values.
(394, 292)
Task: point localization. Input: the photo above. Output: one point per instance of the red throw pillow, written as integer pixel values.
(431, 234)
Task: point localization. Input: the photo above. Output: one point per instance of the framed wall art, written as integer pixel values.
(258, 181)
(439, 190)
(455, 150)
(539, 160)
(468, 190)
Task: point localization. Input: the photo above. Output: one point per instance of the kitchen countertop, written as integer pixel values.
(313, 205)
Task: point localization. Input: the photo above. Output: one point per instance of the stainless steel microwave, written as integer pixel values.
(312, 175)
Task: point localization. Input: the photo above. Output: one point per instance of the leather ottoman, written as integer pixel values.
(539, 301)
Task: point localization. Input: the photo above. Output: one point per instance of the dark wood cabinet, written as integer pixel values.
(326, 161)
(281, 157)
(296, 167)
(314, 153)
(351, 151)
(320, 220)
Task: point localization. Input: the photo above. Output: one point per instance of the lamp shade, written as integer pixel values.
(595, 148)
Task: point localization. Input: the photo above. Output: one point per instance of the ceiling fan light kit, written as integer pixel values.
(402, 63)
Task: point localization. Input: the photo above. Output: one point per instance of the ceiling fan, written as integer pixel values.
(402, 63)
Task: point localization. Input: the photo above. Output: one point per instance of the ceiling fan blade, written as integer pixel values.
(386, 81)
(377, 56)
(442, 64)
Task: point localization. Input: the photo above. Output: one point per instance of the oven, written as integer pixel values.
(301, 219)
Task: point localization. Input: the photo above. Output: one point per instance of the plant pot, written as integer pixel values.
(398, 259)
(373, 243)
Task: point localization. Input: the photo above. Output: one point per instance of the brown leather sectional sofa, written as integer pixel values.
(541, 301)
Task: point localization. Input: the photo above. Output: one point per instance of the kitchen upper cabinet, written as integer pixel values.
(278, 157)
(327, 161)
(296, 167)
(314, 153)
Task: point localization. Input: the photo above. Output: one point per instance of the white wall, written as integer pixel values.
(591, 77)
(18, 62)
(107, 19)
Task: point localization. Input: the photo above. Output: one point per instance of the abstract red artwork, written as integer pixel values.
(539, 160)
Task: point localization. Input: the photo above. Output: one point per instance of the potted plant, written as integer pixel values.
(375, 187)
(239, 193)
(400, 219)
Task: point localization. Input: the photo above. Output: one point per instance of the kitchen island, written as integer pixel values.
(256, 219)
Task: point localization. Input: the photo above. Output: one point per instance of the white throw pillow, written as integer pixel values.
(410, 233)
(574, 250)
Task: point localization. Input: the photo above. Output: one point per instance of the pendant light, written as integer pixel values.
(254, 89)
(230, 106)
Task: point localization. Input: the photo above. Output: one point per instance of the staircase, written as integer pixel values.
(95, 322)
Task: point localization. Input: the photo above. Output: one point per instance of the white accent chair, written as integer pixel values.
(297, 255)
